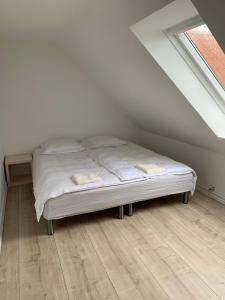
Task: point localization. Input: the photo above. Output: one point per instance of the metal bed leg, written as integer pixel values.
(121, 212)
(130, 210)
(50, 227)
(186, 197)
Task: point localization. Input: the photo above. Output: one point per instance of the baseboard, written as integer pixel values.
(2, 211)
(213, 195)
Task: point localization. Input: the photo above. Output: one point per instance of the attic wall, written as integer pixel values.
(208, 165)
(44, 94)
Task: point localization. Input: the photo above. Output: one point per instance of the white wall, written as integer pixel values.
(2, 188)
(2, 176)
(44, 94)
(208, 165)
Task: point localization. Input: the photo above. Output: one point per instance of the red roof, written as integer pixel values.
(210, 50)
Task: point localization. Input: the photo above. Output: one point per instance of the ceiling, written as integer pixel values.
(42, 19)
(96, 33)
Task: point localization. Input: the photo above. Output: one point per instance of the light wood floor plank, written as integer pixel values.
(160, 270)
(127, 272)
(167, 250)
(40, 271)
(190, 247)
(84, 273)
(174, 275)
(9, 258)
(207, 226)
(211, 206)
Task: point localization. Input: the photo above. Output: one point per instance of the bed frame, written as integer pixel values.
(185, 200)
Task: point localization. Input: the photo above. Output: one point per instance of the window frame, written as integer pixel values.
(194, 59)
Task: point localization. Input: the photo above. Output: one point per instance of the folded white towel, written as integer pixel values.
(150, 168)
(85, 178)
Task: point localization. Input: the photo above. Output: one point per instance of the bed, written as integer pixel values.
(57, 196)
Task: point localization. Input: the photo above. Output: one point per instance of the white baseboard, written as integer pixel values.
(2, 211)
(213, 195)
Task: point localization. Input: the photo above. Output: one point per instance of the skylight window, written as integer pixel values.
(203, 54)
(209, 50)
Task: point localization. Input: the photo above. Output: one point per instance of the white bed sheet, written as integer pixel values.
(122, 161)
(52, 178)
(103, 198)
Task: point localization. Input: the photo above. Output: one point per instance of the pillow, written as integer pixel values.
(102, 141)
(61, 145)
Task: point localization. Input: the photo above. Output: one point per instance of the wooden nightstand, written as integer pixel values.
(18, 169)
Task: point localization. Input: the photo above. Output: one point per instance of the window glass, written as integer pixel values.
(209, 50)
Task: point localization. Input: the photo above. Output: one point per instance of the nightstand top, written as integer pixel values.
(18, 159)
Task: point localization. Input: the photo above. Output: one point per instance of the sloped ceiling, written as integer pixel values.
(31, 19)
(96, 33)
(120, 64)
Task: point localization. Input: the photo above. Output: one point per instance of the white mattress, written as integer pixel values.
(52, 176)
(58, 196)
(103, 198)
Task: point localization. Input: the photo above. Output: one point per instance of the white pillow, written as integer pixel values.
(61, 145)
(102, 141)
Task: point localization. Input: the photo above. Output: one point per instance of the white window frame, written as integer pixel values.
(194, 59)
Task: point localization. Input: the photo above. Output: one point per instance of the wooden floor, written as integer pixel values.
(167, 250)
